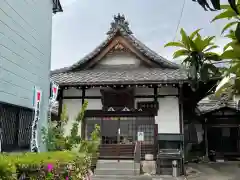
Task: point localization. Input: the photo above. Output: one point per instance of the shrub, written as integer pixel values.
(54, 136)
(36, 165)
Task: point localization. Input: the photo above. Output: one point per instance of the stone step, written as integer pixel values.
(115, 177)
(121, 177)
(117, 165)
(114, 171)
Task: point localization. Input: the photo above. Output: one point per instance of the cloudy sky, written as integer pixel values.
(83, 24)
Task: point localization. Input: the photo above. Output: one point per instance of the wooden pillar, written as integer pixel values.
(155, 91)
(60, 103)
(181, 123)
(180, 100)
(83, 125)
(206, 138)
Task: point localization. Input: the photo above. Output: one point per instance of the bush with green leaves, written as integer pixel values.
(54, 136)
(55, 139)
(36, 165)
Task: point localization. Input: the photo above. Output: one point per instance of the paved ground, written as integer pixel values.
(214, 171)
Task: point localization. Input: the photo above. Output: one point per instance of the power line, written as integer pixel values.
(179, 20)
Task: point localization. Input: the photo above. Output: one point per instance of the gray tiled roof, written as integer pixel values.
(165, 71)
(120, 76)
(214, 103)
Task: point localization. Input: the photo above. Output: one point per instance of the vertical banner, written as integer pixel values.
(52, 98)
(53, 92)
(37, 98)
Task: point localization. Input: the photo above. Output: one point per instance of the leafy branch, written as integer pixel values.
(216, 5)
(198, 55)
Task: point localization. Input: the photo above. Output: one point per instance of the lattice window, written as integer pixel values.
(25, 124)
(8, 125)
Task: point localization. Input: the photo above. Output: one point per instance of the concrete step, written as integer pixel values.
(117, 165)
(114, 177)
(114, 171)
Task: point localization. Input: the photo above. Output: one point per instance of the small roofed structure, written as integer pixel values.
(221, 120)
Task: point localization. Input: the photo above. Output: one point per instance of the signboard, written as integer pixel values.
(37, 104)
(140, 136)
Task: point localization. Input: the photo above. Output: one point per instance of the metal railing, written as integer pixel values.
(137, 155)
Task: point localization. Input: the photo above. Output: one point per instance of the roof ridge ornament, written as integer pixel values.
(119, 24)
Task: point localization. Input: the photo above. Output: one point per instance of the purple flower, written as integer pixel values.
(67, 178)
(50, 167)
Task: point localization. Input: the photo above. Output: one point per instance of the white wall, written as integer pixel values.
(74, 105)
(168, 113)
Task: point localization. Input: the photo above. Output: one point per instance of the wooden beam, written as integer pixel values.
(100, 113)
(137, 96)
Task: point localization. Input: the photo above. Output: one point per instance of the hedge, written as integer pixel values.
(36, 165)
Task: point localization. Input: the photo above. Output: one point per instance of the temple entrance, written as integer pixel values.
(119, 133)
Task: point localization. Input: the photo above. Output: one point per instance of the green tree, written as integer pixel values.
(198, 55)
(232, 49)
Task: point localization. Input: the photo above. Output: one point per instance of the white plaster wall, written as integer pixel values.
(74, 105)
(94, 104)
(167, 91)
(72, 92)
(144, 91)
(120, 59)
(78, 92)
(168, 115)
(93, 92)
